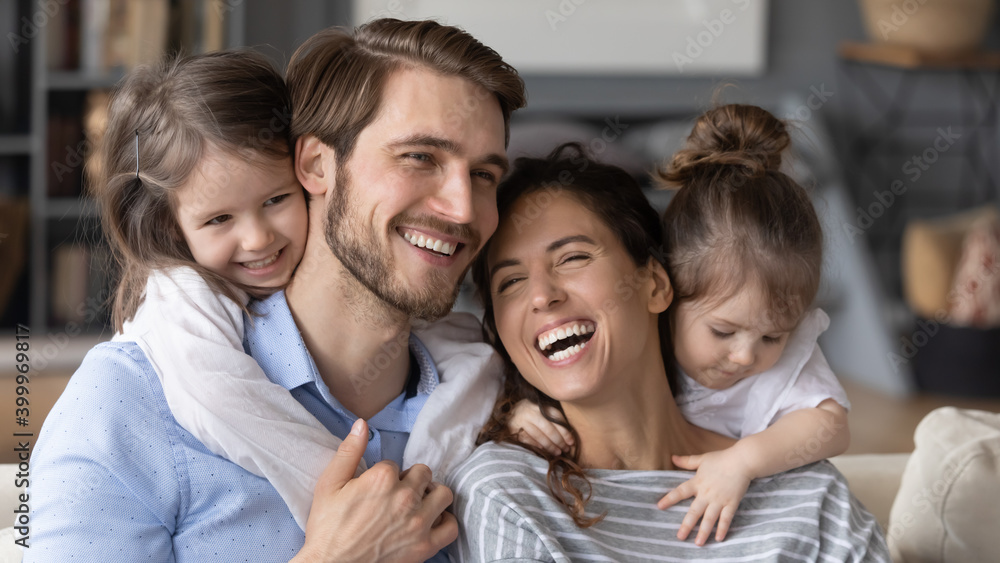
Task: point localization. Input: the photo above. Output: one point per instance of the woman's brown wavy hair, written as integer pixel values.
(616, 199)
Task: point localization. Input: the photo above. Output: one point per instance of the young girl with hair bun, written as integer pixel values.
(744, 253)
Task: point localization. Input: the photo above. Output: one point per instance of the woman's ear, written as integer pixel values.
(661, 292)
(314, 163)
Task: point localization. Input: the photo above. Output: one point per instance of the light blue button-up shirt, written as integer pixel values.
(114, 478)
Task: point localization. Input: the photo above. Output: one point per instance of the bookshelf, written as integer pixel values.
(81, 48)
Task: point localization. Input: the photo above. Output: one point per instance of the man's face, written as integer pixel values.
(416, 200)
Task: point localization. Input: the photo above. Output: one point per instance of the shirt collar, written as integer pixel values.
(274, 341)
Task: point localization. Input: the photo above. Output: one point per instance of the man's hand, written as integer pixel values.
(382, 515)
(718, 487)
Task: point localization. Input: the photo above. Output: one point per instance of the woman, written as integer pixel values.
(573, 294)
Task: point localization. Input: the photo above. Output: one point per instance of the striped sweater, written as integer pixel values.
(506, 513)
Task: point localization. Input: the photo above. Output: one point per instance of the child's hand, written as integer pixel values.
(536, 430)
(718, 487)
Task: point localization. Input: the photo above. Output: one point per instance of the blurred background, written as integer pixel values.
(893, 102)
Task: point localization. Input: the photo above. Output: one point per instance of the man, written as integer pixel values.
(400, 132)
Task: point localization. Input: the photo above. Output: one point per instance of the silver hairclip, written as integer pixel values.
(136, 154)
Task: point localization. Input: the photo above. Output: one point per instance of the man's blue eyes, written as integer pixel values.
(423, 158)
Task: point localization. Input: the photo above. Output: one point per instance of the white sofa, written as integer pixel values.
(939, 504)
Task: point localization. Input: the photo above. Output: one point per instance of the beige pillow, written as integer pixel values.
(948, 505)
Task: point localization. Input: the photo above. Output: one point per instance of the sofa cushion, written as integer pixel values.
(948, 503)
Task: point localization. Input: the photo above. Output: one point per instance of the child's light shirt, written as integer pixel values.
(800, 379)
(193, 338)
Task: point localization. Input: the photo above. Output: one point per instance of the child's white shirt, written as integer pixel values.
(193, 338)
(800, 379)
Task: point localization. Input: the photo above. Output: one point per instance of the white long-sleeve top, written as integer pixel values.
(193, 337)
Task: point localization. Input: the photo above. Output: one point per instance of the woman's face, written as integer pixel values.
(576, 314)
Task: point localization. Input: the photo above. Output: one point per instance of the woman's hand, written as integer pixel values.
(532, 428)
(721, 480)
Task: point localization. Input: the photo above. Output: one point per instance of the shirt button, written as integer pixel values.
(371, 434)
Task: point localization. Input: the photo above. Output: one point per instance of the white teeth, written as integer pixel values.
(567, 353)
(421, 241)
(257, 264)
(548, 339)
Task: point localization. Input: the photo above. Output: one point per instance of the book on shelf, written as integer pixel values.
(98, 36)
(95, 121)
(74, 135)
(8, 58)
(62, 39)
(80, 285)
(68, 287)
(15, 69)
(66, 153)
(13, 245)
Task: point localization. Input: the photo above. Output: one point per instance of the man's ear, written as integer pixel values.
(314, 164)
(661, 292)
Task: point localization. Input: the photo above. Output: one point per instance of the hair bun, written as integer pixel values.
(745, 137)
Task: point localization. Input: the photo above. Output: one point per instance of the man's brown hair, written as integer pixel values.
(336, 77)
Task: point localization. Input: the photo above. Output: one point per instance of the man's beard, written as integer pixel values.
(360, 249)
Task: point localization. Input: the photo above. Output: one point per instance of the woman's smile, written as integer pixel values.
(556, 287)
(566, 341)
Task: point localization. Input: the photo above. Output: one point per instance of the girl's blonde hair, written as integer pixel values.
(737, 220)
(162, 120)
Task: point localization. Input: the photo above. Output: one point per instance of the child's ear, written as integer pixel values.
(661, 292)
(314, 164)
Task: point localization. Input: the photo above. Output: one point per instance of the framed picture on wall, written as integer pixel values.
(636, 37)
